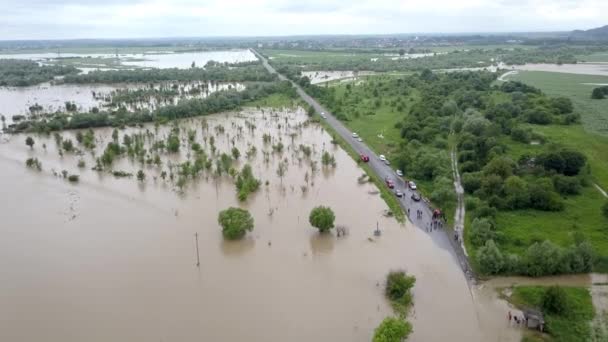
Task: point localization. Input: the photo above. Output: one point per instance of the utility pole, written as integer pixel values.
(198, 262)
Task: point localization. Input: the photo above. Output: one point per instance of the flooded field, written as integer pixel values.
(162, 60)
(327, 76)
(52, 98)
(113, 259)
(580, 68)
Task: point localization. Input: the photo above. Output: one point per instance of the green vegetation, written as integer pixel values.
(33, 163)
(599, 93)
(322, 218)
(235, 222)
(21, 73)
(29, 141)
(424, 116)
(214, 103)
(213, 71)
(392, 330)
(578, 89)
(246, 183)
(568, 310)
(397, 290)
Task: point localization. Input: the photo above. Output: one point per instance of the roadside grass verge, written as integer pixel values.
(572, 326)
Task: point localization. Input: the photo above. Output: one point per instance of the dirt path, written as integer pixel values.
(602, 191)
(508, 73)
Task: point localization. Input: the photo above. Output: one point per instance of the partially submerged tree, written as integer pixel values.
(29, 141)
(235, 222)
(392, 329)
(322, 218)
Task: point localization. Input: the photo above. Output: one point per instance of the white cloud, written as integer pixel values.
(41, 19)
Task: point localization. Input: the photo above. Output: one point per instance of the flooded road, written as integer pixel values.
(114, 259)
(580, 68)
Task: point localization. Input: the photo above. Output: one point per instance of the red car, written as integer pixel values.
(364, 158)
(389, 183)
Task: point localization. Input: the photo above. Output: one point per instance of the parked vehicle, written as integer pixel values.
(412, 185)
(382, 157)
(355, 135)
(416, 197)
(387, 162)
(398, 193)
(399, 173)
(360, 140)
(389, 183)
(364, 158)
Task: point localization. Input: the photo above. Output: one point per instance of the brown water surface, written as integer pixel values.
(114, 259)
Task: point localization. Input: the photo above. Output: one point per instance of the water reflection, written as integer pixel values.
(322, 243)
(237, 248)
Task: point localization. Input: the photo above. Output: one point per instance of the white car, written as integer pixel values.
(382, 157)
(387, 162)
(360, 140)
(412, 185)
(399, 173)
(355, 135)
(323, 115)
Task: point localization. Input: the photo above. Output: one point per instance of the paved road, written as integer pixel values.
(442, 237)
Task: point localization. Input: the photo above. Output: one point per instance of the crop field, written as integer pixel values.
(594, 113)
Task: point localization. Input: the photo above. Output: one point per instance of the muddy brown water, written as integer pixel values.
(52, 98)
(114, 259)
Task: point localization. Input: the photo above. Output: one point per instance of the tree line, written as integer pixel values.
(216, 102)
(22, 73)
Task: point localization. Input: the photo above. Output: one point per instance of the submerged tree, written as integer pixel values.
(392, 329)
(235, 222)
(29, 141)
(322, 218)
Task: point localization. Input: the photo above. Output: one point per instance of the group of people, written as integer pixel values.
(518, 320)
(436, 221)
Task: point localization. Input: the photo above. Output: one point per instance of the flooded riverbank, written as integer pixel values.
(52, 97)
(114, 259)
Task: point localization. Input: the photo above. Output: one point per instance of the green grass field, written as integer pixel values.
(573, 326)
(594, 113)
(307, 56)
(582, 213)
(274, 101)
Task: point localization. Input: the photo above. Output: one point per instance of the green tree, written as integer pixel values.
(392, 329)
(141, 176)
(398, 285)
(555, 300)
(236, 153)
(29, 141)
(322, 218)
(491, 260)
(605, 209)
(235, 222)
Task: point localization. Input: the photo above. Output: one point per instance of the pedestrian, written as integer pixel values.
(509, 316)
(408, 212)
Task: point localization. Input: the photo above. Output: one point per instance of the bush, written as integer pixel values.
(605, 209)
(392, 330)
(490, 259)
(235, 222)
(481, 230)
(73, 178)
(322, 218)
(567, 185)
(555, 301)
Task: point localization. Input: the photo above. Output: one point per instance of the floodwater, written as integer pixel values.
(114, 259)
(149, 60)
(52, 98)
(317, 77)
(580, 68)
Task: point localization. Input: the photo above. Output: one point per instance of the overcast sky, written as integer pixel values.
(59, 19)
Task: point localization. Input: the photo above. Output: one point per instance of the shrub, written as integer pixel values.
(322, 218)
(490, 259)
(567, 185)
(392, 329)
(73, 178)
(555, 300)
(235, 222)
